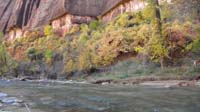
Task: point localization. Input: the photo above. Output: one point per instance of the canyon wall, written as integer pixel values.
(20, 16)
(63, 24)
(17, 16)
(122, 7)
(28, 13)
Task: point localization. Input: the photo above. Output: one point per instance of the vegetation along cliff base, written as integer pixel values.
(156, 42)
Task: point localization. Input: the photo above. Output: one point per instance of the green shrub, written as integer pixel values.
(74, 29)
(195, 45)
(84, 28)
(34, 55)
(4, 58)
(94, 25)
(84, 61)
(69, 66)
(48, 54)
(48, 30)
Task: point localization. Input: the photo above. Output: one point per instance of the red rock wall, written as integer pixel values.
(128, 6)
(63, 24)
(26, 15)
(14, 33)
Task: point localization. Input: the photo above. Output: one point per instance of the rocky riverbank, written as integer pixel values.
(152, 81)
(132, 81)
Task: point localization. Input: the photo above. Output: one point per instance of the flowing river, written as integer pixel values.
(69, 97)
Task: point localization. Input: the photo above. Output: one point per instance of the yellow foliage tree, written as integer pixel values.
(70, 66)
(48, 30)
(84, 61)
(3, 56)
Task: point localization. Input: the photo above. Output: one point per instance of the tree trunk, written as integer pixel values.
(157, 9)
(158, 26)
(157, 17)
(162, 63)
(145, 61)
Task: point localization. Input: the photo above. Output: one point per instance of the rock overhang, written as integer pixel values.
(30, 14)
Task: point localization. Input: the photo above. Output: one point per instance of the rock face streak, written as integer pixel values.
(28, 13)
(18, 16)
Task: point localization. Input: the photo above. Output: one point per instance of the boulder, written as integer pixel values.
(2, 95)
(11, 100)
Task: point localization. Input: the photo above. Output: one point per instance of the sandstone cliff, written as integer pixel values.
(35, 13)
(28, 13)
(23, 15)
